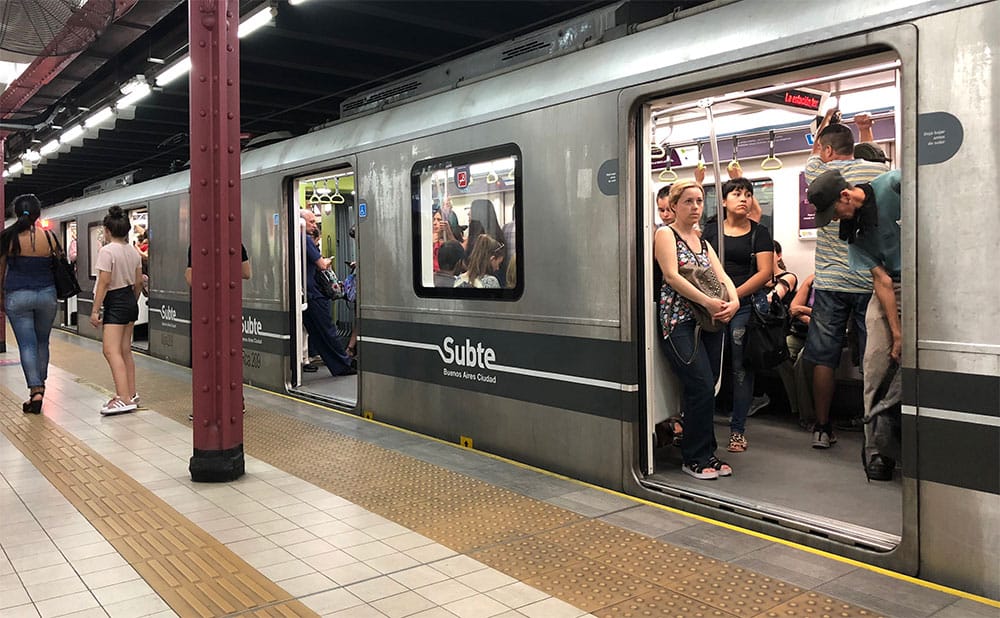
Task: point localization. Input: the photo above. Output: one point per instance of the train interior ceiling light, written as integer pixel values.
(132, 91)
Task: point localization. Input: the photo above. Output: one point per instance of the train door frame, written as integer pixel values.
(634, 144)
(297, 283)
(69, 307)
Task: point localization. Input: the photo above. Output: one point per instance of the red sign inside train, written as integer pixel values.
(795, 98)
(462, 177)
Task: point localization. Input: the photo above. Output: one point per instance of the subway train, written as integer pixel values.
(559, 364)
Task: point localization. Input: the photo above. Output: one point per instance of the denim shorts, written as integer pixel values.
(828, 326)
(120, 306)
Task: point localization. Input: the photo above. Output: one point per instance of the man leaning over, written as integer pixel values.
(870, 216)
(840, 293)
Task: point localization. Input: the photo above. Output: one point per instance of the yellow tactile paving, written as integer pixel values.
(195, 574)
(595, 566)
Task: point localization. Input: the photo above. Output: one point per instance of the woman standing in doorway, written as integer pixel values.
(119, 284)
(29, 294)
(693, 353)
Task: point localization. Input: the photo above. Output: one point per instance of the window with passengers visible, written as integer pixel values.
(467, 225)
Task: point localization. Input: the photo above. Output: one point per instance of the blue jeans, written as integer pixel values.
(31, 313)
(323, 336)
(696, 363)
(828, 326)
(742, 377)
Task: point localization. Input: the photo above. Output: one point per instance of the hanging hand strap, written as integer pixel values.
(667, 174)
(771, 162)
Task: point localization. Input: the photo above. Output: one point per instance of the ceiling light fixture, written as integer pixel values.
(172, 72)
(71, 134)
(256, 20)
(15, 169)
(49, 147)
(99, 117)
(138, 92)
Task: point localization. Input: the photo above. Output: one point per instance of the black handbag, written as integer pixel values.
(765, 346)
(63, 272)
(329, 284)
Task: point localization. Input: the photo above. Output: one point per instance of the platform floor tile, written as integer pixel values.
(395, 533)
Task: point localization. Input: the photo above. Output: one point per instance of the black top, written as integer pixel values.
(738, 264)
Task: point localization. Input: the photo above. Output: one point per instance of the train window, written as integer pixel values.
(763, 190)
(466, 225)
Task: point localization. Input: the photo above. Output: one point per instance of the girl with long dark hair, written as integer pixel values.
(29, 294)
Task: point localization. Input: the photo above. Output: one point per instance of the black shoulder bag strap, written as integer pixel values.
(48, 237)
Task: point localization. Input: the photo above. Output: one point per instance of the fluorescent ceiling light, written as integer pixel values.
(296, 2)
(99, 117)
(49, 148)
(140, 91)
(15, 169)
(71, 134)
(255, 21)
(172, 72)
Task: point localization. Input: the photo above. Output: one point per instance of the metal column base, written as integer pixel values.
(217, 466)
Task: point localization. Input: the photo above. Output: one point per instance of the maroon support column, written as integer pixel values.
(3, 218)
(216, 285)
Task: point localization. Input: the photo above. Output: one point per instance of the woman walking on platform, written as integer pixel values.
(29, 294)
(119, 284)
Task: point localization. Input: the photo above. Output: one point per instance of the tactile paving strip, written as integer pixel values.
(593, 565)
(195, 574)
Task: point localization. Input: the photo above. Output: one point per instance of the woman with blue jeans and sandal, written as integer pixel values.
(29, 294)
(749, 262)
(693, 353)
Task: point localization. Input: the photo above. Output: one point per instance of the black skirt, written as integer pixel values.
(121, 306)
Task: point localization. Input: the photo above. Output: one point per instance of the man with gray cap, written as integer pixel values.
(841, 296)
(870, 216)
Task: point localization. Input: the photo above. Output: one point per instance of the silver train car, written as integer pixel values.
(560, 367)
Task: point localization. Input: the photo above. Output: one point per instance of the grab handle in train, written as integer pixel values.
(701, 157)
(336, 198)
(656, 152)
(492, 177)
(667, 174)
(771, 162)
(735, 163)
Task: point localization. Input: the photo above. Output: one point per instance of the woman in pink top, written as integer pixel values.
(119, 283)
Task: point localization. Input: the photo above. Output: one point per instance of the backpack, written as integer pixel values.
(329, 285)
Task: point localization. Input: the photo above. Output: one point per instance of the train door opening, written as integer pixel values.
(324, 328)
(763, 132)
(138, 237)
(69, 306)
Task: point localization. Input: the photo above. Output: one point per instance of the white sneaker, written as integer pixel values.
(136, 400)
(758, 404)
(117, 406)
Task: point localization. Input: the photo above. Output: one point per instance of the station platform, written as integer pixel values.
(341, 516)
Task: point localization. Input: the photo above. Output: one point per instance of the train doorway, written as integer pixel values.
(763, 132)
(69, 306)
(138, 237)
(324, 326)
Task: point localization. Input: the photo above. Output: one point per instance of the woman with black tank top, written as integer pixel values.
(692, 352)
(29, 294)
(749, 263)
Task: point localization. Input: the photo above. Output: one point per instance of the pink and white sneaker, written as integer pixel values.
(117, 406)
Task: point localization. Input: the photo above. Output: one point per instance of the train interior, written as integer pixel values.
(330, 196)
(767, 129)
(466, 201)
(138, 237)
(68, 308)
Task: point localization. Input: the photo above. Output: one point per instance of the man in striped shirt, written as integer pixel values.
(841, 294)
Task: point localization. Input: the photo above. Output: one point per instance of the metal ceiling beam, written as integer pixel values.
(342, 43)
(417, 20)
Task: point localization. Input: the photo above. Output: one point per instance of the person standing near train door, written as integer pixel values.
(119, 284)
(870, 221)
(841, 295)
(318, 315)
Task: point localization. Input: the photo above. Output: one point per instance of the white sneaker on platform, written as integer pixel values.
(117, 406)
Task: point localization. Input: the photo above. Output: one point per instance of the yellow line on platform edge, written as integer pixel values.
(701, 518)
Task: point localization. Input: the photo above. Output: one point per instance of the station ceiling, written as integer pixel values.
(294, 73)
